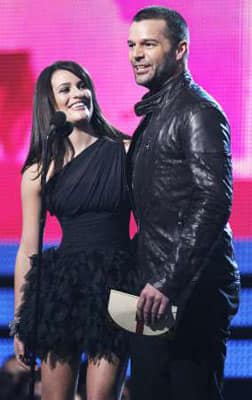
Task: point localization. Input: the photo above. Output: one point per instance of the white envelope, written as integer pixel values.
(122, 309)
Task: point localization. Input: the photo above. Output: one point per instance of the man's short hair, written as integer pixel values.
(177, 28)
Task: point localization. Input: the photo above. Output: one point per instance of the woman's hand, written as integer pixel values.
(19, 350)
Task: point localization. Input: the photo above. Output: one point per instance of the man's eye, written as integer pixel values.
(130, 45)
(149, 44)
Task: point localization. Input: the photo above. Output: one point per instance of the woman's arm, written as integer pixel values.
(31, 205)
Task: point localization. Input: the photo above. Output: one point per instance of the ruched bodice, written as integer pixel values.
(94, 180)
(89, 196)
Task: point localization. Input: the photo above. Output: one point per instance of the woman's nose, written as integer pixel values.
(77, 92)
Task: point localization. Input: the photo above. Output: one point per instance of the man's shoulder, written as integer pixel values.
(194, 99)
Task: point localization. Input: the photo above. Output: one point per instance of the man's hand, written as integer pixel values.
(151, 305)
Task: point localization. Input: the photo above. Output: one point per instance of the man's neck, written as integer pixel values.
(166, 80)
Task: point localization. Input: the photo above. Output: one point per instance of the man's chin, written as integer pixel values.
(142, 81)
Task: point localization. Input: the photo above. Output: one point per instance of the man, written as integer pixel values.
(181, 184)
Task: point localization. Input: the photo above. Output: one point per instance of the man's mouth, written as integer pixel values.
(141, 68)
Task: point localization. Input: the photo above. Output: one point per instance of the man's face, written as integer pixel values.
(151, 53)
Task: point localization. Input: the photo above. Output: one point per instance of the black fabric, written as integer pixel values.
(89, 196)
(190, 366)
(180, 174)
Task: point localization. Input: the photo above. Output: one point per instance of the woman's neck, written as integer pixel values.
(82, 138)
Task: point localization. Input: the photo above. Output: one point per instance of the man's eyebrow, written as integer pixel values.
(149, 40)
(145, 40)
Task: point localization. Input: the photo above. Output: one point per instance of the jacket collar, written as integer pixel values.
(169, 90)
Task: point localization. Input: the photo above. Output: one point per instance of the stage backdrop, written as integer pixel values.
(94, 33)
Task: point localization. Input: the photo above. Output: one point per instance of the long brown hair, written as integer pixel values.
(44, 109)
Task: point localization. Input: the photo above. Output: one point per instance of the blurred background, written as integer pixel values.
(94, 33)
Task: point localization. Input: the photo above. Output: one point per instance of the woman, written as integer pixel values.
(86, 190)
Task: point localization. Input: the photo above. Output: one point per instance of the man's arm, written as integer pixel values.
(206, 143)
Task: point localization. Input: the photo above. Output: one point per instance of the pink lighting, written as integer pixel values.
(94, 33)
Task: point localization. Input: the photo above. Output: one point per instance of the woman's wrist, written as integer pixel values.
(14, 327)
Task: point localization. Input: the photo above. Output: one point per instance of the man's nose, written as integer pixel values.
(138, 53)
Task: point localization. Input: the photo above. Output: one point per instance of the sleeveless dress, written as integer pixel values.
(89, 197)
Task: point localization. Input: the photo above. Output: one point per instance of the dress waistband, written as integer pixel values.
(94, 230)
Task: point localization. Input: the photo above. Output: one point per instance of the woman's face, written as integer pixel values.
(72, 96)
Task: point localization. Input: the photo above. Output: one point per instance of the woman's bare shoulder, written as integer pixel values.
(32, 174)
(30, 183)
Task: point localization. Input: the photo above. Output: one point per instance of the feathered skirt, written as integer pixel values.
(72, 316)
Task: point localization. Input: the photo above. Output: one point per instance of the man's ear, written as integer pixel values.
(181, 50)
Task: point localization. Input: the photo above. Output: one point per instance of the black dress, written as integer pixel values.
(89, 197)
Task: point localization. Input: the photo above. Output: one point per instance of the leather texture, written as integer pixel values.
(180, 175)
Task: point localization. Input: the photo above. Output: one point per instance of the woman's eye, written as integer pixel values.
(82, 85)
(64, 90)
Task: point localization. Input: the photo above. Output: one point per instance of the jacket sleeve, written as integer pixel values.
(205, 139)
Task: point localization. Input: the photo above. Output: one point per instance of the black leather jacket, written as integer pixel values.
(181, 181)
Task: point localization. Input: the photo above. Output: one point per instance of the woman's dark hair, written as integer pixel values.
(44, 109)
(176, 26)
